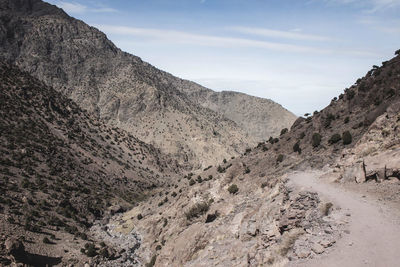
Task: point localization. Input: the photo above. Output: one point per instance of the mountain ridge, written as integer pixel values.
(79, 61)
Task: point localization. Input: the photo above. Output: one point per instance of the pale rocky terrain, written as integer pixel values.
(285, 212)
(265, 118)
(160, 109)
(77, 190)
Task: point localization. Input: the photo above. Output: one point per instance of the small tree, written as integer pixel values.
(296, 148)
(284, 130)
(316, 140)
(347, 138)
(233, 189)
(334, 139)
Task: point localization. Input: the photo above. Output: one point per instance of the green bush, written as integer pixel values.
(347, 138)
(296, 148)
(316, 139)
(220, 169)
(279, 158)
(233, 189)
(197, 210)
(284, 130)
(191, 182)
(90, 250)
(335, 138)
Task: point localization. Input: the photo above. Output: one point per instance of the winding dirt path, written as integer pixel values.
(374, 238)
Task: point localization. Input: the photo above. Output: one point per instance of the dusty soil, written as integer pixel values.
(373, 235)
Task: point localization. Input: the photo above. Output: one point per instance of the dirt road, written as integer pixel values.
(374, 237)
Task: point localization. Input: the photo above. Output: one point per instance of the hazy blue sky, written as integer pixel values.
(299, 53)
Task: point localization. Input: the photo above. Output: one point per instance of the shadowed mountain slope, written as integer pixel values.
(61, 168)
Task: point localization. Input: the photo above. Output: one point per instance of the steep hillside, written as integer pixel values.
(258, 117)
(243, 212)
(81, 62)
(61, 169)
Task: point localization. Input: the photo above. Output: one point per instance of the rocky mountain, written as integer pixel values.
(61, 169)
(79, 61)
(293, 200)
(264, 119)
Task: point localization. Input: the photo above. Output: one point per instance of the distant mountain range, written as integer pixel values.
(194, 124)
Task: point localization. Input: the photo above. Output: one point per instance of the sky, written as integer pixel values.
(299, 53)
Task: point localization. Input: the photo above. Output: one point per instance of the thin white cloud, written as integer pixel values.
(77, 8)
(179, 37)
(370, 6)
(386, 26)
(72, 7)
(294, 35)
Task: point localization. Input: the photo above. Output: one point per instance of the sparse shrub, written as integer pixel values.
(174, 194)
(397, 52)
(346, 120)
(152, 261)
(350, 94)
(246, 170)
(328, 120)
(191, 182)
(347, 138)
(284, 130)
(279, 158)
(220, 169)
(233, 189)
(139, 216)
(335, 138)
(197, 210)
(224, 161)
(90, 250)
(316, 139)
(46, 240)
(264, 184)
(302, 135)
(199, 179)
(296, 148)
(248, 150)
(209, 167)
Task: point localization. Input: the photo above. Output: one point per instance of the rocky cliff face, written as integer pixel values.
(79, 61)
